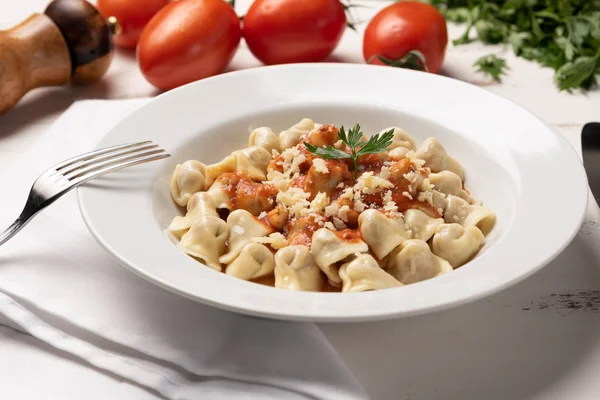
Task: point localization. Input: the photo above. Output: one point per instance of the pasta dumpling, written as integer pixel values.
(200, 205)
(224, 166)
(364, 273)
(265, 138)
(328, 248)
(293, 135)
(286, 208)
(243, 226)
(295, 269)
(254, 261)
(456, 244)
(401, 138)
(460, 212)
(187, 179)
(381, 233)
(414, 262)
(437, 158)
(448, 183)
(221, 197)
(420, 225)
(206, 240)
(252, 162)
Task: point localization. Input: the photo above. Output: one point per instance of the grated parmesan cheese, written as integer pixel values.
(426, 185)
(426, 197)
(408, 195)
(330, 226)
(388, 202)
(319, 202)
(262, 215)
(338, 145)
(385, 173)
(416, 160)
(347, 194)
(369, 183)
(292, 158)
(339, 224)
(320, 166)
(278, 180)
(295, 200)
(332, 209)
(343, 213)
(275, 240)
(359, 205)
(340, 185)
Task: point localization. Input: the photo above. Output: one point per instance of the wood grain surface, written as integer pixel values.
(32, 54)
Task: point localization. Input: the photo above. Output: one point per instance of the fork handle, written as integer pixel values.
(12, 230)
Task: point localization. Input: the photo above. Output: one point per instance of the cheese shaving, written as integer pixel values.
(276, 240)
(319, 203)
(339, 224)
(320, 166)
(369, 183)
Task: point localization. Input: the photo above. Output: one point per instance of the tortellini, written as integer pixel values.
(460, 212)
(295, 269)
(364, 273)
(456, 244)
(224, 166)
(414, 262)
(293, 135)
(187, 179)
(449, 183)
(438, 159)
(398, 153)
(381, 233)
(275, 214)
(401, 138)
(243, 226)
(328, 248)
(206, 240)
(265, 138)
(250, 162)
(420, 225)
(254, 261)
(220, 196)
(200, 205)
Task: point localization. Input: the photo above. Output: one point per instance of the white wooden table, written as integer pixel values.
(537, 340)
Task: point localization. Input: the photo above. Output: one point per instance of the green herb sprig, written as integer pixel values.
(491, 65)
(561, 34)
(376, 144)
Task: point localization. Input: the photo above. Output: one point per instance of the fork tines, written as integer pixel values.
(99, 162)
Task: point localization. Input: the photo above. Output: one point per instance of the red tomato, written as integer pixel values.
(133, 15)
(188, 40)
(289, 31)
(405, 26)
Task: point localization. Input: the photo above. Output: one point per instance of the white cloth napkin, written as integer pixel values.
(59, 285)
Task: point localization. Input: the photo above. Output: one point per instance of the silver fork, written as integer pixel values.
(69, 174)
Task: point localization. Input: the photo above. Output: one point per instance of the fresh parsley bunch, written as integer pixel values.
(358, 147)
(561, 34)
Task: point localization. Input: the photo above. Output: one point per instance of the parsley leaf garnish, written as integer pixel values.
(376, 144)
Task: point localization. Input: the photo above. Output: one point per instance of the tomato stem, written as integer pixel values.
(414, 59)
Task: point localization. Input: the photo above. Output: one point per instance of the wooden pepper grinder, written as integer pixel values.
(70, 42)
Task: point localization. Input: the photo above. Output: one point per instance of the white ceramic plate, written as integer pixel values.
(514, 162)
